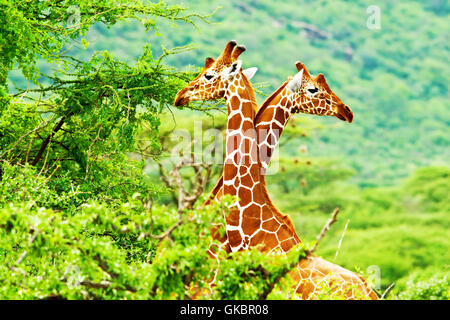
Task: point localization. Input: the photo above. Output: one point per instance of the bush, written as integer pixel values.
(435, 288)
(105, 253)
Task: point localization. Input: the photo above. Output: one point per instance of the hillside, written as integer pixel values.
(395, 81)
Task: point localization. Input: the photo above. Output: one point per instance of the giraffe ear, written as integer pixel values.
(250, 72)
(320, 79)
(234, 69)
(208, 62)
(295, 84)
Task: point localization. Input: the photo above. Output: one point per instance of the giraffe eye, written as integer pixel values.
(209, 76)
(314, 90)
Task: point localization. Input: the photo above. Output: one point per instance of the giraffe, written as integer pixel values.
(311, 95)
(223, 78)
(251, 219)
(304, 93)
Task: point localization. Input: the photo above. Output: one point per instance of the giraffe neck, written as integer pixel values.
(251, 220)
(270, 122)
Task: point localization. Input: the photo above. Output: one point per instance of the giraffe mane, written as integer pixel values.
(268, 100)
(251, 92)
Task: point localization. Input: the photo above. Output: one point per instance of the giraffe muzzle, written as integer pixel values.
(180, 99)
(344, 113)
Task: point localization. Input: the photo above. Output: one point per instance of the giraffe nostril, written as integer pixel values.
(347, 108)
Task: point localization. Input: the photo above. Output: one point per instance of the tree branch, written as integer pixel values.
(47, 140)
(325, 229)
(104, 266)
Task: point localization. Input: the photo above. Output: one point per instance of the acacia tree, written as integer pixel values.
(78, 122)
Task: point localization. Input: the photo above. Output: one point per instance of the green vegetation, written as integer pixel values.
(88, 200)
(401, 230)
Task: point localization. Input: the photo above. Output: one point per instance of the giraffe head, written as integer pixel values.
(213, 80)
(313, 95)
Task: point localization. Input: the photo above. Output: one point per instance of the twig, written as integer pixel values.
(104, 266)
(186, 198)
(24, 254)
(325, 229)
(47, 140)
(40, 126)
(340, 240)
(29, 148)
(263, 295)
(35, 235)
(387, 290)
(96, 285)
(168, 232)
